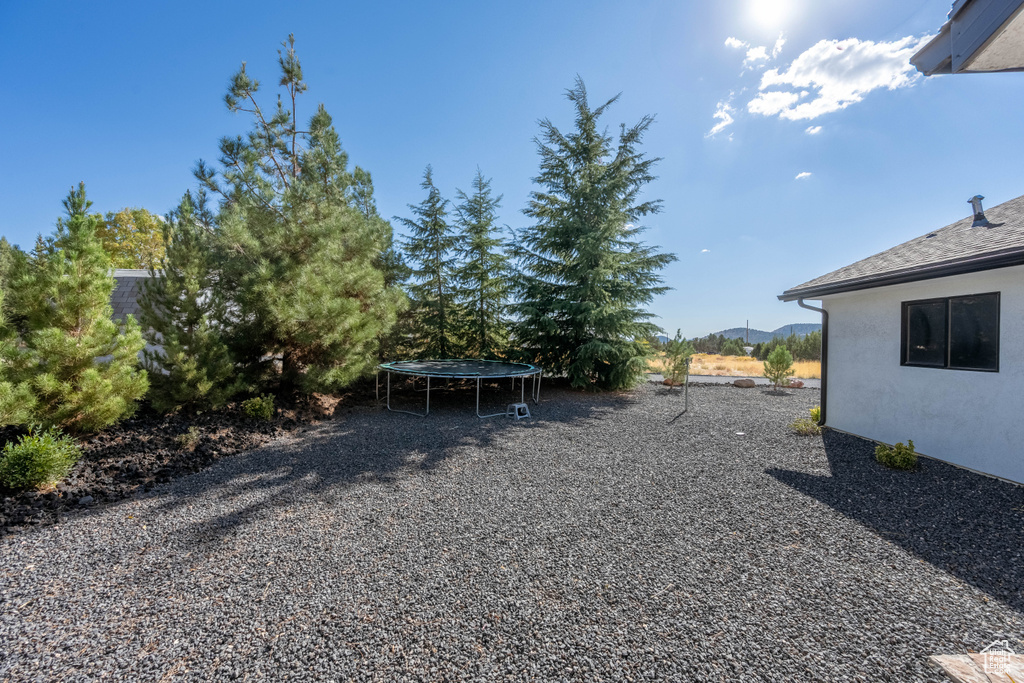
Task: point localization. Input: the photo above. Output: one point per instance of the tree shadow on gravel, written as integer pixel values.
(966, 524)
(366, 446)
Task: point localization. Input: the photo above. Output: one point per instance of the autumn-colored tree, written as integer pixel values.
(132, 237)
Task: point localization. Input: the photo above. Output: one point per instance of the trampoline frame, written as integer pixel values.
(528, 370)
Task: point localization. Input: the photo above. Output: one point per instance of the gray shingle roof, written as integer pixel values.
(956, 248)
(128, 289)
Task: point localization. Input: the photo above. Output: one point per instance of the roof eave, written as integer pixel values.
(990, 261)
(970, 30)
(937, 56)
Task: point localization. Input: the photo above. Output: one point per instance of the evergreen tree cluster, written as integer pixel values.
(459, 279)
(807, 347)
(278, 275)
(719, 344)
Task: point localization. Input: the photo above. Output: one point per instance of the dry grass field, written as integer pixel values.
(736, 366)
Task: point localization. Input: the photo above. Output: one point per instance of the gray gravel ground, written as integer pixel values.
(608, 538)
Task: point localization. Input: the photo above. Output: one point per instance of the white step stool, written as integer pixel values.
(519, 410)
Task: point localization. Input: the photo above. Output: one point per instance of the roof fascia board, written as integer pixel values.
(935, 57)
(975, 25)
(1002, 259)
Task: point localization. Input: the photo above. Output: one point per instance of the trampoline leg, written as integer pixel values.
(408, 412)
(478, 403)
(377, 388)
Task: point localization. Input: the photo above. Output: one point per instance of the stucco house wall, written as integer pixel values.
(972, 419)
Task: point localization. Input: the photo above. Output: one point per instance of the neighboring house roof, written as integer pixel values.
(956, 248)
(127, 290)
(980, 36)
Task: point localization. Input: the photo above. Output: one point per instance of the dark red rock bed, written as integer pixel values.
(129, 459)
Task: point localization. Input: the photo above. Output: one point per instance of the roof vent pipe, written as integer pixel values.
(979, 214)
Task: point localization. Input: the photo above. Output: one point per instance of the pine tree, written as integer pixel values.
(586, 279)
(17, 401)
(300, 260)
(430, 249)
(83, 370)
(482, 273)
(183, 310)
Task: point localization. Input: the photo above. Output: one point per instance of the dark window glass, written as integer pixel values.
(974, 332)
(926, 333)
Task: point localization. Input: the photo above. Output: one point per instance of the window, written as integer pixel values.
(960, 333)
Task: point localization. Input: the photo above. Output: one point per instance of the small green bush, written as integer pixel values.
(805, 427)
(259, 407)
(678, 359)
(779, 366)
(189, 440)
(816, 414)
(898, 457)
(39, 459)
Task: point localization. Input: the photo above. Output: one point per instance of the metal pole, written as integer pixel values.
(428, 397)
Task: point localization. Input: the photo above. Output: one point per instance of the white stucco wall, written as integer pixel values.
(973, 419)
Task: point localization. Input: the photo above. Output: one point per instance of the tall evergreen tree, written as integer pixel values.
(586, 279)
(183, 310)
(301, 261)
(83, 369)
(482, 273)
(430, 249)
(17, 402)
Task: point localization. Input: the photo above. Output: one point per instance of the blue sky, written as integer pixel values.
(127, 96)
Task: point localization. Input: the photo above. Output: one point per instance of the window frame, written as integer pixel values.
(947, 300)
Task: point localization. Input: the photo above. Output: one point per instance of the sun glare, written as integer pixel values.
(770, 13)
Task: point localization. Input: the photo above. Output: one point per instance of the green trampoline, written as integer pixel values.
(463, 368)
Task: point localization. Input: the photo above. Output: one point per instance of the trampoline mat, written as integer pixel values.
(460, 368)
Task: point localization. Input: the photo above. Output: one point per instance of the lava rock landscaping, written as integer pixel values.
(610, 537)
(132, 457)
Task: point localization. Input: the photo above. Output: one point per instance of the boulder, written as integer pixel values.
(744, 383)
(795, 384)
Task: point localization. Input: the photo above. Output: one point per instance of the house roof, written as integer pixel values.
(127, 290)
(955, 249)
(980, 36)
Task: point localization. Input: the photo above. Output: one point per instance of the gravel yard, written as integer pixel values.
(607, 538)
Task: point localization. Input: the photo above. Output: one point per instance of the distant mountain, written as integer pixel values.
(758, 336)
(799, 329)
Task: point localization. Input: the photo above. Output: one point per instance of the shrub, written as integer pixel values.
(898, 457)
(805, 427)
(677, 358)
(188, 440)
(779, 366)
(39, 459)
(259, 407)
(816, 414)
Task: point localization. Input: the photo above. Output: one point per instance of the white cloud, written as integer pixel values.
(813, 130)
(802, 175)
(755, 54)
(723, 113)
(770, 103)
(704, 251)
(779, 42)
(837, 73)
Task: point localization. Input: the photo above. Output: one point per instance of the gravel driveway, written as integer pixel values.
(608, 538)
